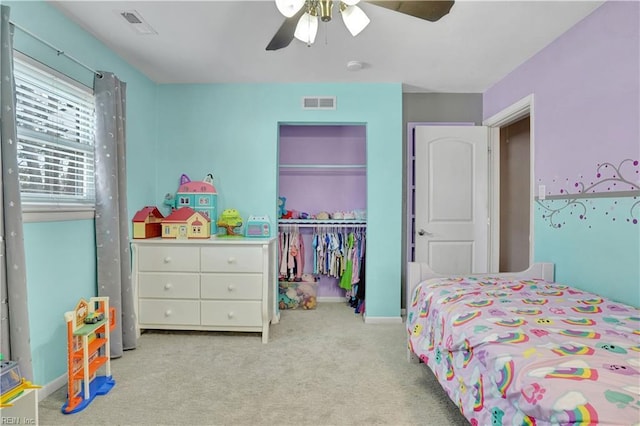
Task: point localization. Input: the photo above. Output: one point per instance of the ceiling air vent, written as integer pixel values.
(319, 102)
(136, 22)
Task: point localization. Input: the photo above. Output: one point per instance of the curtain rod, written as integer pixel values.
(58, 51)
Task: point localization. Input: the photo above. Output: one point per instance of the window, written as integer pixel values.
(56, 131)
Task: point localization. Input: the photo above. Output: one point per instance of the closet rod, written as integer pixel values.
(323, 225)
(348, 222)
(58, 51)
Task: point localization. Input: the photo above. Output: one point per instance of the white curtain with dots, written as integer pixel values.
(112, 220)
(15, 344)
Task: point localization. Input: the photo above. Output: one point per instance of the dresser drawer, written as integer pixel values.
(169, 312)
(169, 285)
(231, 313)
(231, 286)
(231, 259)
(160, 259)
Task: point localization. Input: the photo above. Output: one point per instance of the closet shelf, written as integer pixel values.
(323, 166)
(344, 223)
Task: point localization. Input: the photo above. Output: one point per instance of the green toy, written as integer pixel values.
(230, 219)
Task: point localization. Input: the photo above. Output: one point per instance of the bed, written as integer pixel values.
(519, 349)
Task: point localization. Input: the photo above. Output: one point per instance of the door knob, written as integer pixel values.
(422, 232)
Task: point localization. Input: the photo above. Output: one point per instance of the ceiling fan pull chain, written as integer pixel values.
(326, 31)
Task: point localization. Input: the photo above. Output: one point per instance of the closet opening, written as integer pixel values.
(322, 205)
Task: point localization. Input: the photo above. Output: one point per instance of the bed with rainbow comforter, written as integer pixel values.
(525, 352)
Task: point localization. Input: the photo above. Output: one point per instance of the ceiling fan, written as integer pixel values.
(302, 16)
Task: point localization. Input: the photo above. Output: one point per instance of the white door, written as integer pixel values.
(451, 196)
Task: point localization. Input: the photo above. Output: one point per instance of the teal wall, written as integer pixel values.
(56, 280)
(61, 256)
(228, 130)
(604, 238)
(231, 130)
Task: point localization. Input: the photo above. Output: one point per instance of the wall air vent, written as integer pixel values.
(136, 22)
(319, 102)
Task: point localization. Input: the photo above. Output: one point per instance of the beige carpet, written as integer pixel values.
(320, 367)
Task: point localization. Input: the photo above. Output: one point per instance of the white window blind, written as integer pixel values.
(56, 131)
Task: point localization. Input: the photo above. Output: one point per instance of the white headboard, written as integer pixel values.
(418, 272)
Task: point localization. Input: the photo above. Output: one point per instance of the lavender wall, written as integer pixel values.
(323, 189)
(586, 133)
(586, 99)
(313, 190)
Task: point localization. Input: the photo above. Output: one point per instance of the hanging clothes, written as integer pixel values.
(338, 253)
(347, 276)
(291, 252)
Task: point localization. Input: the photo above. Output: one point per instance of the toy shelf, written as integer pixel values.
(93, 346)
(322, 169)
(93, 367)
(88, 348)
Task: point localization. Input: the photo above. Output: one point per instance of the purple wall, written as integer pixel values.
(586, 134)
(586, 101)
(313, 190)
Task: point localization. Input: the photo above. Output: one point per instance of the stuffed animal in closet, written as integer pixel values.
(309, 278)
(283, 213)
(307, 292)
(281, 207)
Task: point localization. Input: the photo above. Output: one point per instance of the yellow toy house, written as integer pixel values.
(186, 223)
(147, 223)
(201, 196)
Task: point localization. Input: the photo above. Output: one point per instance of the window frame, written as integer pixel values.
(55, 210)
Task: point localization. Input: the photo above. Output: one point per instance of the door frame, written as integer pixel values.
(520, 109)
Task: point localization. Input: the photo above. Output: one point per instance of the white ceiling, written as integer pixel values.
(467, 51)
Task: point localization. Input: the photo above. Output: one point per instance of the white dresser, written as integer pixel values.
(222, 284)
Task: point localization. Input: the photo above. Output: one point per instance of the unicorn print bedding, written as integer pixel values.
(528, 352)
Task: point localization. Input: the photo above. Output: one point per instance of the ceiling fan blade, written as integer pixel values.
(285, 33)
(431, 10)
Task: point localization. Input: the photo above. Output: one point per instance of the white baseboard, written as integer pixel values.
(331, 299)
(51, 387)
(382, 320)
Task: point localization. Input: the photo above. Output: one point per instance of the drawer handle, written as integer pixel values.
(167, 313)
(167, 286)
(230, 315)
(231, 287)
(167, 259)
(231, 260)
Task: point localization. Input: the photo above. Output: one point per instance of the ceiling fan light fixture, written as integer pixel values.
(326, 7)
(350, 2)
(354, 19)
(307, 28)
(289, 7)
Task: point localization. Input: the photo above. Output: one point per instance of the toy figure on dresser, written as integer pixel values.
(230, 219)
(201, 196)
